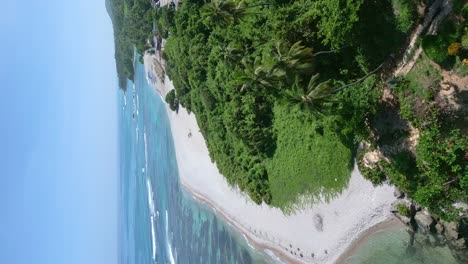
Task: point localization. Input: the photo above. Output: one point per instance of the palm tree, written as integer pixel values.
(311, 97)
(231, 53)
(257, 75)
(297, 58)
(219, 12)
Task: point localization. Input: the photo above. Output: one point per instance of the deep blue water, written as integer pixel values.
(185, 231)
(152, 200)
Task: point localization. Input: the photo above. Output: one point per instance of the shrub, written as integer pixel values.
(172, 101)
(464, 42)
(454, 48)
(435, 48)
(403, 210)
(405, 12)
(375, 175)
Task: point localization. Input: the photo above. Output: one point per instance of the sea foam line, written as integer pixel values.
(169, 248)
(152, 213)
(146, 149)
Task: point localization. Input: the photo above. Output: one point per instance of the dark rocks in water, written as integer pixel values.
(318, 222)
(424, 221)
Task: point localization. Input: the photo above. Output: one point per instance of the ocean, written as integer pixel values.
(160, 222)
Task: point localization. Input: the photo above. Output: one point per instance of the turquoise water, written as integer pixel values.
(394, 246)
(161, 223)
(152, 200)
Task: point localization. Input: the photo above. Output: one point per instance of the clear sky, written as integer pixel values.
(58, 133)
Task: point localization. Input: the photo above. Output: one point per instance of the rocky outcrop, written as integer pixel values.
(439, 232)
(424, 221)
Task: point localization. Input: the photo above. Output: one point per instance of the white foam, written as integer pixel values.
(150, 197)
(169, 247)
(136, 132)
(273, 256)
(248, 243)
(146, 149)
(152, 214)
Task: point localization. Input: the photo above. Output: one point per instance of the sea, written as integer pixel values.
(160, 222)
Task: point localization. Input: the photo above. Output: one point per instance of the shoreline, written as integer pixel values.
(361, 239)
(347, 218)
(253, 243)
(391, 223)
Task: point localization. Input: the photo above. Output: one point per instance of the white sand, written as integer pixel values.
(355, 210)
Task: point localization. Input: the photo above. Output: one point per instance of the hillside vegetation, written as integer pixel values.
(284, 90)
(264, 82)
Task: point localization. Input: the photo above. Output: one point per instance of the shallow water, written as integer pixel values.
(393, 246)
(152, 200)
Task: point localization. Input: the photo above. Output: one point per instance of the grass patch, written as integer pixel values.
(308, 161)
(424, 78)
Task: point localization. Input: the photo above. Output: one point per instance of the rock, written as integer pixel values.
(416, 207)
(452, 230)
(439, 228)
(459, 244)
(404, 219)
(424, 221)
(398, 194)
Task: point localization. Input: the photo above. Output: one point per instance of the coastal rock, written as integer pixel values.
(459, 244)
(404, 219)
(424, 221)
(439, 228)
(452, 230)
(398, 194)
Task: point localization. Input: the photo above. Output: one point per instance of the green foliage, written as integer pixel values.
(437, 175)
(435, 48)
(132, 22)
(310, 159)
(403, 210)
(465, 41)
(172, 101)
(405, 14)
(444, 174)
(375, 175)
(337, 19)
(234, 63)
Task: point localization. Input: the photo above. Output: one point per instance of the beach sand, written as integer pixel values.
(293, 238)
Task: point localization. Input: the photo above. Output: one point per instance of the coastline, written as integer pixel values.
(356, 212)
(391, 223)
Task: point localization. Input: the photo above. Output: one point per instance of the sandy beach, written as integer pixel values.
(294, 238)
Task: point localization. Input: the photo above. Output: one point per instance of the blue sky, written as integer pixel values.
(58, 118)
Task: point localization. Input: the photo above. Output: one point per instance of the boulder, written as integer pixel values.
(404, 219)
(398, 194)
(452, 230)
(424, 221)
(439, 228)
(459, 244)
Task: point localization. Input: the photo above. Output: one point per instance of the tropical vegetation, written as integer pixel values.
(284, 90)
